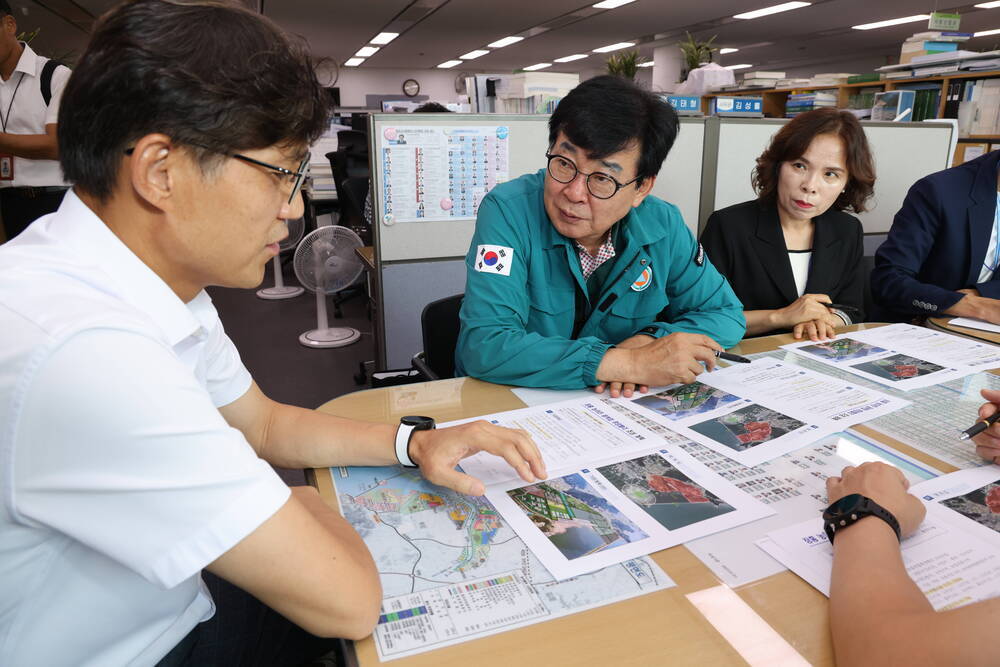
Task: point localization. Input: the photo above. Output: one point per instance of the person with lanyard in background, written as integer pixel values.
(793, 255)
(941, 255)
(31, 182)
(576, 277)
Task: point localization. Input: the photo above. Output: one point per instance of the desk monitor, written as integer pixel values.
(903, 153)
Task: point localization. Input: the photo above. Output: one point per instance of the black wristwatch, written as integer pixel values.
(852, 508)
(407, 425)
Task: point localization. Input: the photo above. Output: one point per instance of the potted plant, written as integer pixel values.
(696, 53)
(625, 64)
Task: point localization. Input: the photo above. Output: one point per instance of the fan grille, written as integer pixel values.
(326, 260)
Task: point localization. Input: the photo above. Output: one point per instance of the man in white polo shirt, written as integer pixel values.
(31, 183)
(134, 445)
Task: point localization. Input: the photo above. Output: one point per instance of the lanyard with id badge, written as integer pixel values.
(6, 159)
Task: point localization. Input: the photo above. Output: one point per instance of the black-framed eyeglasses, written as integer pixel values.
(601, 185)
(293, 178)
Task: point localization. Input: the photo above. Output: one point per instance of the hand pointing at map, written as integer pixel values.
(437, 452)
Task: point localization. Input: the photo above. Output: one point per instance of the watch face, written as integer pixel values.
(418, 421)
(845, 505)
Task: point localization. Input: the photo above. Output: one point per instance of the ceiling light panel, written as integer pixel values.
(506, 41)
(891, 22)
(989, 5)
(727, 50)
(384, 38)
(611, 4)
(614, 47)
(569, 59)
(366, 51)
(648, 63)
(741, 66)
(775, 9)
(532, 68)
(353, 62)
(471, 55)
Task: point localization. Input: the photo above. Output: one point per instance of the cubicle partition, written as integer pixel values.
(429, 172)
(903, 152)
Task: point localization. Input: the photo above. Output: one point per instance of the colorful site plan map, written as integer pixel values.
(434, 547)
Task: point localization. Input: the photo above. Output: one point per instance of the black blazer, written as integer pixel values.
(938, 242)
(745, 243)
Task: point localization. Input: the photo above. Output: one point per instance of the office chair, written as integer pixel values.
(353, 141)
(350, 178)
(440, 324)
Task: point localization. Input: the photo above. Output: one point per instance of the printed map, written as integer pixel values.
(423, 536)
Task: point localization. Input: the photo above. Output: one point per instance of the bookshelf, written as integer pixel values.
(775, 98)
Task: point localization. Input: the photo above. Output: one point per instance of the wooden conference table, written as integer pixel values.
(654, 629)
(944, 324)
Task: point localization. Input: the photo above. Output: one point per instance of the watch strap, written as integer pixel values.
(403, 434)
(833, 523)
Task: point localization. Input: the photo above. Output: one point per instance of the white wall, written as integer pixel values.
(356, 82)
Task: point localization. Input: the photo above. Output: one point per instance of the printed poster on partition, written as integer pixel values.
(434, 173)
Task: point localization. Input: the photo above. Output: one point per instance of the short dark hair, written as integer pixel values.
(606, 114)
(213, 76)
(431, 107)
(5, 8)
(792, 141)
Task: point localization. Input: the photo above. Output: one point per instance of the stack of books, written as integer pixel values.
(864, 78)
(863, 98)
(830, 79)
(931, 42)
(793, 83)
(761, 79)
(807, 101)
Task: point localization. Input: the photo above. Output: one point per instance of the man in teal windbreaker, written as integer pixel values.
(576, 277)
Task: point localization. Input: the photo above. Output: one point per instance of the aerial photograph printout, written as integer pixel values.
(574, 516)
(902, 356)
(685, 400)
(664, 492)
(747, 427)
(760, 411)
(626, 506)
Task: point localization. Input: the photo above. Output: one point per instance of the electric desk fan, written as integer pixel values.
(280, 290)
(325, 263)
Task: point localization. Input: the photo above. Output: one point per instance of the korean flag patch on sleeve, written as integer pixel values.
(494, 259)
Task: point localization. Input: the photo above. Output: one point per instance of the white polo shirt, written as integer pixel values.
(22, 95)
(119, 478)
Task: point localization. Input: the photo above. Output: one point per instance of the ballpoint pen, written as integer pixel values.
(980, 426)
(727, 356)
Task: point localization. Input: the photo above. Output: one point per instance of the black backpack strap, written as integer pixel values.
(46, 79)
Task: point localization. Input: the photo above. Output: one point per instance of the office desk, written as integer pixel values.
(659, 628)
(943, 324)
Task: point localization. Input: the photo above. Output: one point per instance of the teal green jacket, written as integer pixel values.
(518, 329)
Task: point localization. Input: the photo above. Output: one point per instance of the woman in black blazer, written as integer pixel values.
(794, 249)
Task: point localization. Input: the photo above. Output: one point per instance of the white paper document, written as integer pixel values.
(971, 323)
(759, 411)
(954, 560)
(794, 486)
(453, 570)
(569, 434)
(581, 520)
(902, 356)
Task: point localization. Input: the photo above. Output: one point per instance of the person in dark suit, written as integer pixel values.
(941, 254)
(793, 251)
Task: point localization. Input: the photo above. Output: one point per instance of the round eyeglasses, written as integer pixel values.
(601, 185)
